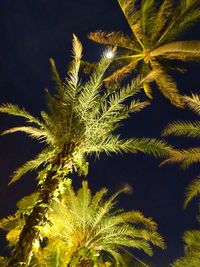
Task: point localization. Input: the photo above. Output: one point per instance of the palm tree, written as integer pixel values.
(192, 250)
(191, 155)
(81, 120)
(154, 28)
(85, 230)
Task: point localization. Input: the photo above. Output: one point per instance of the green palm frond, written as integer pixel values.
(192, 191)
(115, 144)
(41, 159)
(184, 156)
(183, 128)
(35, 133)
(191, 248)
(90, 92)
(56, 257)
(20, 112)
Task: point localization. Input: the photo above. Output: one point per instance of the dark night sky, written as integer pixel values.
(32, 32)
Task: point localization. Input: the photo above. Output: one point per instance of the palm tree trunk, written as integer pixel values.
(22, 253)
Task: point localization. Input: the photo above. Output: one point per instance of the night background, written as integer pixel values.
(32, 32)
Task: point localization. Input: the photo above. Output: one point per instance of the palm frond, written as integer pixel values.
(187, 47)
(184, 14)
(133, 18)
(147, 18)
(162, 17)
(121, 73)
(193, 102)
(191, 248)
(112, 39)
(184, 156)
(15, 110)
(183, 128)
(27, 202)
(42, 158)
(54, 255)
(115, 144)
(192, 191)
(33, 132)
(151, 146)
(56, 77)
(166, 85)
(90, 92)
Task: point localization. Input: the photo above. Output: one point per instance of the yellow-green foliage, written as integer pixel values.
(84, 227)
(81, 120)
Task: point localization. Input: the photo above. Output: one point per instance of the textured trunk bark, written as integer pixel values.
(22, 253)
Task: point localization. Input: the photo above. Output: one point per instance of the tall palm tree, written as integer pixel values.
(190, 155)
(81, 120)
(154, 26)
(192, 250)
(85, 230)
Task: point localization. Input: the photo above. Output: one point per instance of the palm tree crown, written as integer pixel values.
(85, 230)
(81, 120)
(154, 29)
